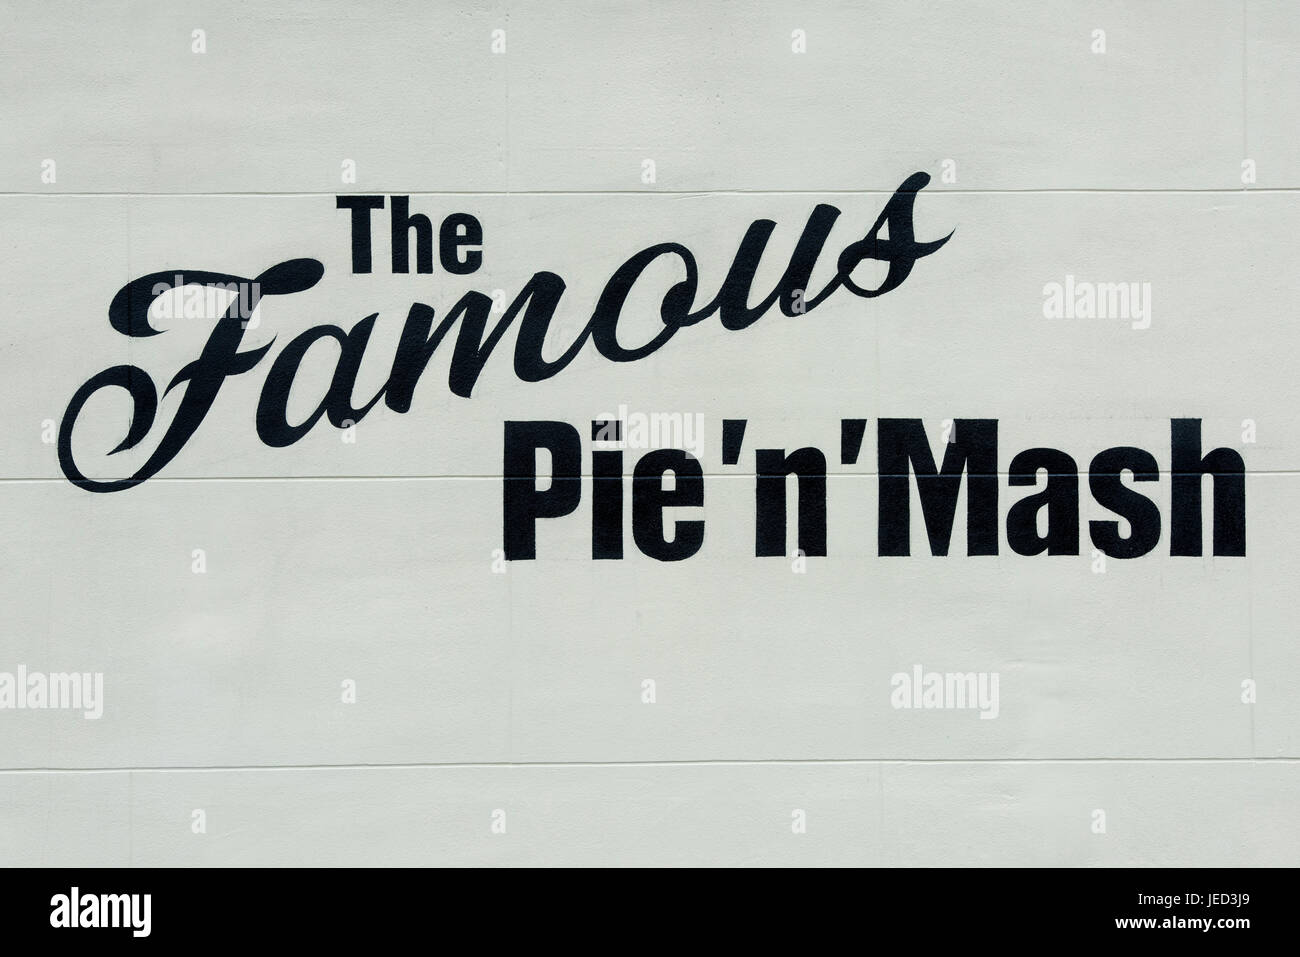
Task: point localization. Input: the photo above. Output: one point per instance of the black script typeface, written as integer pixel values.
(891, 241)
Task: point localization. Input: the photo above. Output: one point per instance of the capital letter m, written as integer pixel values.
(902, 447)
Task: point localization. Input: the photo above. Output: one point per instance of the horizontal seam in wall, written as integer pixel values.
(497, 478)
(701, 191)
(543, 765)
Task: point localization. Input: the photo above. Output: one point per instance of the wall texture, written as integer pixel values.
(316, 654)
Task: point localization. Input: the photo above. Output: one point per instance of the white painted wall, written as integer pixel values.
(371, 561)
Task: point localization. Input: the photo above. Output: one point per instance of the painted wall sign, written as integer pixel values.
(673, 434)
